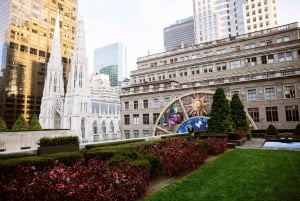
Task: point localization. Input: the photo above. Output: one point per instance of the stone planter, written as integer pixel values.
(57, 149)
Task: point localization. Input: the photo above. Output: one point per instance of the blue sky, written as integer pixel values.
(139, 23)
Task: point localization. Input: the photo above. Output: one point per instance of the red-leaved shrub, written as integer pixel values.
(178, 155)
(216, 145)
(96, 181)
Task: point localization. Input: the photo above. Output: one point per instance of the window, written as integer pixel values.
(146, 119)
(291, 113)
(166, 101)
(155, 103)
(146, 133)
(145, 102)
(126, 120)
(271, 114)
(13, 45)
(33, 51)
(288, 71)
(289, 91)
(250, 61)
(155, 117)
(126, 105)
(127, 134)
(283, 39)
(23, 48)
(135, 105)
(252, 96)
(42, 54)
(254, 113)
(136, 119)
(235, 64)
(136, 133)
(267, 59)
(285, 56)
(270, 93)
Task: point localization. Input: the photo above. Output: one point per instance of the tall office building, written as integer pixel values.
(218, 19)
(26, 34)
(180, 34)
(107, 58)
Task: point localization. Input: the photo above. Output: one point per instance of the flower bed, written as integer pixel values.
(95, 179)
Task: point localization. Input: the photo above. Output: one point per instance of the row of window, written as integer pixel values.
(136, 119)
(239, 63)
(289, 91)
(280, 39)
(33, 51)
(271, 114)
(291, 113)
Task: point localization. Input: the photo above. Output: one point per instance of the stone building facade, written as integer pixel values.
(262, 67)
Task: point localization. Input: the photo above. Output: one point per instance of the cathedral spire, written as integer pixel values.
(78, 107)
(51, 106)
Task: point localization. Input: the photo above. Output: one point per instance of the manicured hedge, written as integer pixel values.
(62, 140)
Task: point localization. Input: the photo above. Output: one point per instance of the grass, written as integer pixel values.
(240, 175)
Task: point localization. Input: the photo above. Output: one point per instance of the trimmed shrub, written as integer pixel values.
(64, 140)
(238, 114)
(271, 130)
(297, 130)
(220, 118)
(20, 124)
(34, 124)
(3, 126)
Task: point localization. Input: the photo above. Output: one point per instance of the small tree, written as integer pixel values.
(34, 123)
(220, 119)
(20, 124)
(271, 130)
(297, 130)
(3, 126)
(238, 115)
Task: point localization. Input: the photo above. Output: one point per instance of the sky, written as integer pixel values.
(139, 24)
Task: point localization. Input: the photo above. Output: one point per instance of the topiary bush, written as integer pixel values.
(271, 130)
(297, 130)
(20, 124)
(3, 126)
(34, 123)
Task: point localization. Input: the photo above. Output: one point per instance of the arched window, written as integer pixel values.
(103, 127)
(56, 120)
(95, 127)
(112, 130)
(82, 128)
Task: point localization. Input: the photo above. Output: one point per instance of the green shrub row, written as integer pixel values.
(91, 146)
(62, 140)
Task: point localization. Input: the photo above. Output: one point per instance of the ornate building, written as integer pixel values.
(93, 118)
(172, 87)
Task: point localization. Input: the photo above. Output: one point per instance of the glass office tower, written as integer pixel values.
(26, 32)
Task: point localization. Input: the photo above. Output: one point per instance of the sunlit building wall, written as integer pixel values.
(218, 19)
(26, 32)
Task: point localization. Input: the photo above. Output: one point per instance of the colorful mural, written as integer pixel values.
(199, 124)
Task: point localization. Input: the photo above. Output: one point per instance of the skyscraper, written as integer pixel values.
(108, 57)
(26, 33)
(218, 19)
(180, 34)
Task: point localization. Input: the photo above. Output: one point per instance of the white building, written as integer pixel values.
(218, 19)
(93, 116)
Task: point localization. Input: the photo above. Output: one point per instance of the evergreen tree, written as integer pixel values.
(34, 123)
(3, 126)
(20, 124)
(238, 115)
(220, 119)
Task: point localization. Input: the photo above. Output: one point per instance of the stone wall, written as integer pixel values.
(27, 140)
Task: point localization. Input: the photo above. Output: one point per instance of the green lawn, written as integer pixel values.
(238, 175)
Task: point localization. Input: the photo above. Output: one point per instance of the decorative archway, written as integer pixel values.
(57, 120)
(95, 127)
(192, 107)
(112, 127)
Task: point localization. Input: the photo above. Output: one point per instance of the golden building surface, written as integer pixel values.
(26, 32)
(262, 67)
